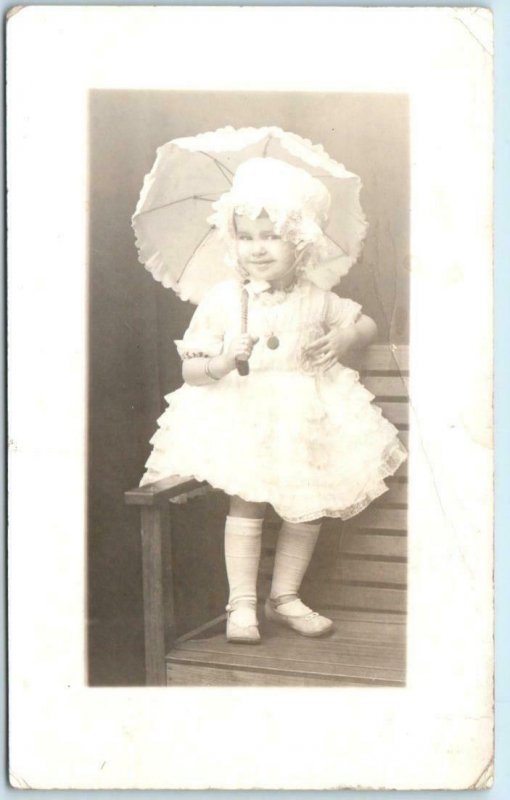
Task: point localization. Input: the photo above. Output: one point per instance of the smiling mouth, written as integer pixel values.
(261, 263)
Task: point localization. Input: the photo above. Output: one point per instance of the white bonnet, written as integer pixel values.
(296, 202)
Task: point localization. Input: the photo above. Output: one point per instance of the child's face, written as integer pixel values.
(262, 252)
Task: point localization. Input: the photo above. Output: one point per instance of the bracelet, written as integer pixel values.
(207, 370)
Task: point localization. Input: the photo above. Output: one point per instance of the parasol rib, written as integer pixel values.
(345, 253)
(222, 167)
(175, 202)
(197, 246)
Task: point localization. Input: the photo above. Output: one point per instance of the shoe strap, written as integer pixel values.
(292, 607)
(283, 599)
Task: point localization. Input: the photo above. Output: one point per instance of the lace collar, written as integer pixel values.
(266, 295)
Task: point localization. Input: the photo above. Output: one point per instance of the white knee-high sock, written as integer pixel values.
(243, 539)
(294, 550)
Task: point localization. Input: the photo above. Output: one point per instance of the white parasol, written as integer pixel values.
(185, 252)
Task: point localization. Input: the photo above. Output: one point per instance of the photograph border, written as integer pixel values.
(12, 640)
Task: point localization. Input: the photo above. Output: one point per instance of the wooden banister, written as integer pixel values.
(158, 493)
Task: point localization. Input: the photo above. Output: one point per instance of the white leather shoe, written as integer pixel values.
(295, 615)
(242, 627)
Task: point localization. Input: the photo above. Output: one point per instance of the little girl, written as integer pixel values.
(299, 431)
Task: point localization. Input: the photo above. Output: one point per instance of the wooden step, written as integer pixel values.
(387, 386)
(367, 597)
(396, 494)
(384, 358)
(397, 413)
(350, 570)
(402, 471)
(373, 544)
(346, 569)
(363, 650)
(375, 518)
(389, 508)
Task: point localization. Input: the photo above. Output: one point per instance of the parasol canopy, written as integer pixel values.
(186, 253)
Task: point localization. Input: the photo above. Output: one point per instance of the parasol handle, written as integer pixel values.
(242, 365)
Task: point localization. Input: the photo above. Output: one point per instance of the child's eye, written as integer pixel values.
(272, 236)
(243, 237)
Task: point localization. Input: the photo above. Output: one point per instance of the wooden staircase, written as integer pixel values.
(358, 577)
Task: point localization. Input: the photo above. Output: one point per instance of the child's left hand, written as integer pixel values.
(327, 350)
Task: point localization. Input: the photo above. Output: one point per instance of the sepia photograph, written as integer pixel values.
(250, 390)
(273, 353)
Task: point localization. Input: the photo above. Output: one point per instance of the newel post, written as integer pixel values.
(157, 570)
(153, 594)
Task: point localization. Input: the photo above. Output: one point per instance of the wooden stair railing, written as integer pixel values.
(158, 607)
(368, 558)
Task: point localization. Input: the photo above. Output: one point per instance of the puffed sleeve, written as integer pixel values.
(341, 312)
(205, 333)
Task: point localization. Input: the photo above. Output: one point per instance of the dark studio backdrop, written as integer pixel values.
(133, 321)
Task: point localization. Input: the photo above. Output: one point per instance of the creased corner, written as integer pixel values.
(478, 22)
(486, 777)
(11, 12)
(17, 782)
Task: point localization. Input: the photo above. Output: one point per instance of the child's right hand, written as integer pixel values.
(240, 349)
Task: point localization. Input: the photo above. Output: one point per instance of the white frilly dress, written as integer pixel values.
(309, 442)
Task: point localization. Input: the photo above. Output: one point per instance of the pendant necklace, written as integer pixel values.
(272, 340)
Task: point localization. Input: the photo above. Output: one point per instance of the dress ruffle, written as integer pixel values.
(311, 446)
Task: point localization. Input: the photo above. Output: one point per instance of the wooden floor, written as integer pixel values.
(366, 648)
